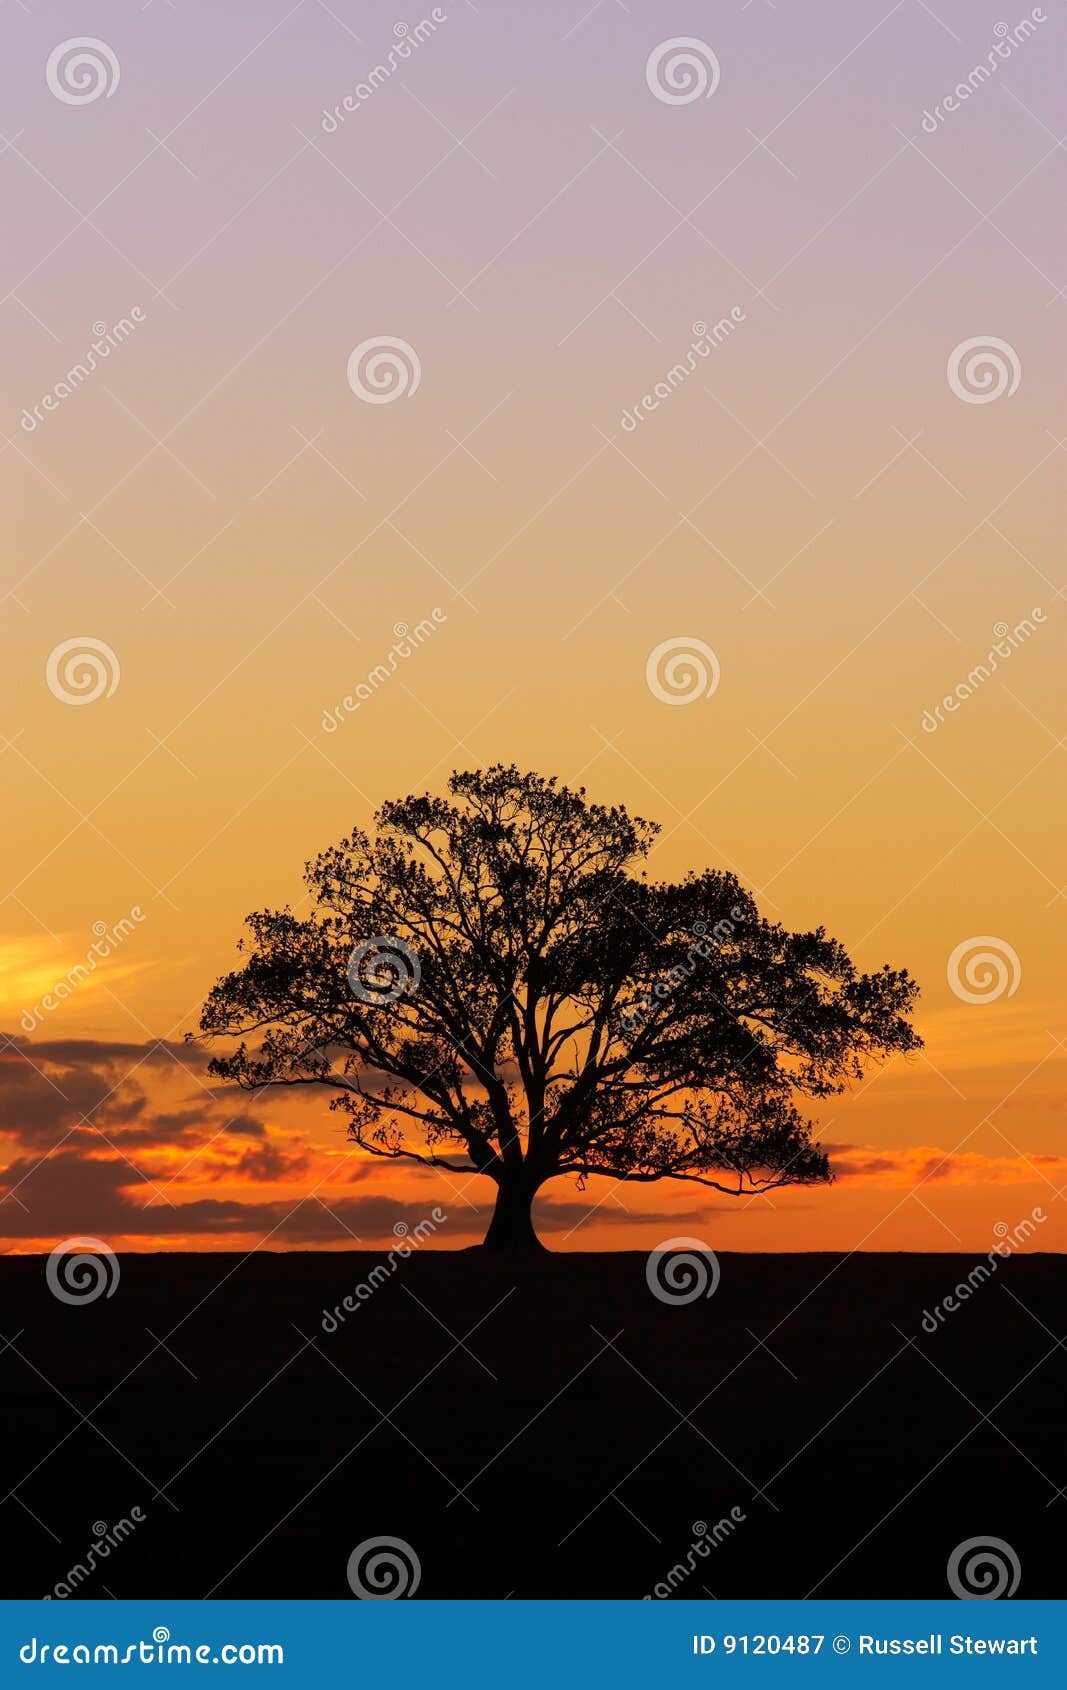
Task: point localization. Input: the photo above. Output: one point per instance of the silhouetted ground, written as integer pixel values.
(549, 1432)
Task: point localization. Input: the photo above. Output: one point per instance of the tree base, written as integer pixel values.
(511, 1230)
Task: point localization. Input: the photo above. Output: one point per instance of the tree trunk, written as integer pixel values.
(511, 1229)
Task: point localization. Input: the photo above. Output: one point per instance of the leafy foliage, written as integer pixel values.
(533, 1005)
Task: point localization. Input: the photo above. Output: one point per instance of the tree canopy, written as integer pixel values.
(491, 984)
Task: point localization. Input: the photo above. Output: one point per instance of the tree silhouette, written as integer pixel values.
(495, 973)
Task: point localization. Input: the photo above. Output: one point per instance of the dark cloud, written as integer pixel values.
(69, 1195)
(52, 1090)
(106, 1053)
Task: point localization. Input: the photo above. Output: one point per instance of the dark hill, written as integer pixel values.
(553, 1430)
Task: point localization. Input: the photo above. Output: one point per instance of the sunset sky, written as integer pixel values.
(825, 500)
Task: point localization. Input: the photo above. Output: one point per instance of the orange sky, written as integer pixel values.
(244, 534)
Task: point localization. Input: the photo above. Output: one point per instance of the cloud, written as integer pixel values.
(922, 1163)
(69, 1194)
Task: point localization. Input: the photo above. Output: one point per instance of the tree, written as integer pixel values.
(494, 972)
